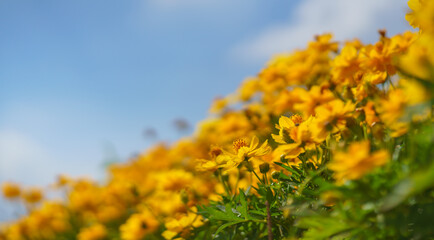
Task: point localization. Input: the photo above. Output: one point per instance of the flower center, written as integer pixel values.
(215, 151)
(297, 119)
(239, 143)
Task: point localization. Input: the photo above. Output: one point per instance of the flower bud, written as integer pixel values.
(184, 196)
(275, 175)
(249, 166)
(264, 168)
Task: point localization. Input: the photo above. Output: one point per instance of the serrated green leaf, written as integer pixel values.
(225, 226)
(216, 214)
(295, 173)
(243, 209)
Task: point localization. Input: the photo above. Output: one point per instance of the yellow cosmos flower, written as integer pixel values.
(422, 15)
(11, 190)
(415, 6)
(313, 98)
(332, 116)
(305, 136)
(218, 105)
(377, 77)
(244, 151)
(419, 59)
(357, 161)
(415, 92)
(94, 232)
(371, 116)
(285, 126)
(323, 43)
(248, 88)
(392, 111)
(32, 195)
(378, 57)
(182, 225)
(42, 223)
(401, 42)
(345, 65)
(138, 226)
(218, 160)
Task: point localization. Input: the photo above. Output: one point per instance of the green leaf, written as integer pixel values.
(295, 173)
(225, 226)
(408, 187)
(243, 209)
(227, 215)
(323, 227)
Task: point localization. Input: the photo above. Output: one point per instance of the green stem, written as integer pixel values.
(257, 176)
(226, 187)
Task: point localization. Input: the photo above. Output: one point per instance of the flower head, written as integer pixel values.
(357, 161)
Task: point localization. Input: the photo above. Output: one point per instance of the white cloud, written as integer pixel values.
(22, 159)
(26, 160)
(346, 19)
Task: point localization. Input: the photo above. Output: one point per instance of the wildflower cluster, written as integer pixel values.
(332, 141)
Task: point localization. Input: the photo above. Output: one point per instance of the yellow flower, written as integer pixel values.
(375, 77)
(218, 160)
(285, 101)
(84, 196)
(415, 6)
(285, 126)
(138, 226)
(94, 232)
(32, 195)
(378, 57)
(370, 113)
(323, 43)
(218, 105)
(248, 88)
(418, 61)
(174, 180)
(392, 111)
(332, 116)
(182, 225)
(345, 65)
(11, 190)
(62, 180)
(422, 15)
(42, 223)
(401, 42)
(393, 107)
(244, 151)
(311, 99)
(357, 161)
(305, 136)
(415, 92)
(109, 212)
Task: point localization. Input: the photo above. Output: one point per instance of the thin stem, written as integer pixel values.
(226, 187)
(266, 179)
(257, 176)
(270, 232)
(236, 183)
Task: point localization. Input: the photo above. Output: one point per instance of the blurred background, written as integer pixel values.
(84, 83)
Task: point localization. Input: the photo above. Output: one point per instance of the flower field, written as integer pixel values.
(333, 141)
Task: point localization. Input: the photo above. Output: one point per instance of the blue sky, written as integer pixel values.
(81, 80)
